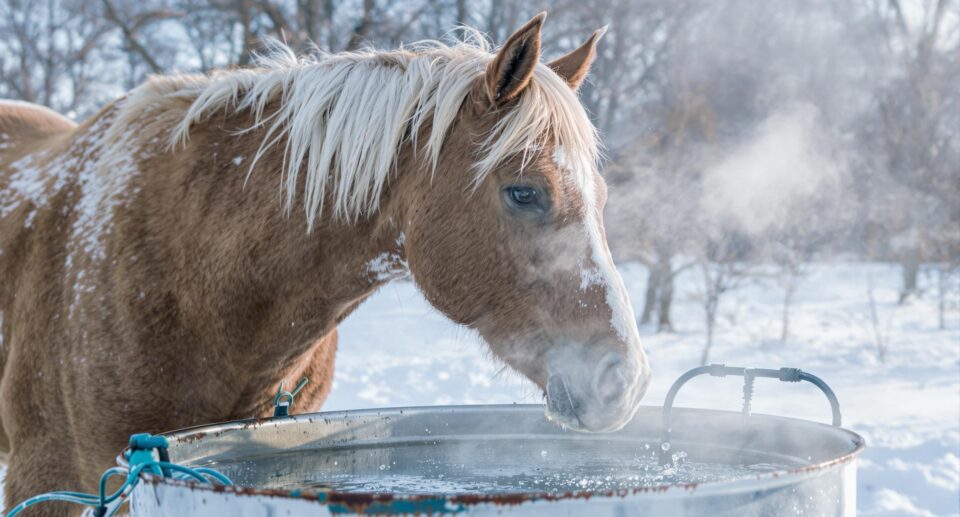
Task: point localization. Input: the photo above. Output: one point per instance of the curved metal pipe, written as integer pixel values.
(720, 370)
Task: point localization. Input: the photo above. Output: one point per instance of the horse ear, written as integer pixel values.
(510, 71)
(574, 66)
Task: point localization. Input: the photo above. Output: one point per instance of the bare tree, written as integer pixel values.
(879, 338)
(130, 30)
(792, 267)
(649, 219)
(805, 230)
(912, 138)
(48, 52)
(724, 267)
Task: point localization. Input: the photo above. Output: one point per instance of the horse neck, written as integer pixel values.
(259, 272)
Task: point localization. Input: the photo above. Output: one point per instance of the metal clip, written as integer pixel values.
(284, 399)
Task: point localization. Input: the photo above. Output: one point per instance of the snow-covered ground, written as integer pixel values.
(396, 350)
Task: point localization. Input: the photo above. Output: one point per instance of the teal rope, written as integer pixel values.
(102, 500)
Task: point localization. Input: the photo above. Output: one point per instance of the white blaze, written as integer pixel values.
(604, 272)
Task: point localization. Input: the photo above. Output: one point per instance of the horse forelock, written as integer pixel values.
(343, 118)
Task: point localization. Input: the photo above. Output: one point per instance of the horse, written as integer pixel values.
(170, 260)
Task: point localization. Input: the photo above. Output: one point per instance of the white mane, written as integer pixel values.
(345, 116)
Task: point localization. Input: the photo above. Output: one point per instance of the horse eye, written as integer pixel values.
(523, 196)
(526, 199)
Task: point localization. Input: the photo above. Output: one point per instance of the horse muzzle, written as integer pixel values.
(599, 399)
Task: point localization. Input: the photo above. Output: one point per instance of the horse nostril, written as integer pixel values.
(611, 380)
(559, 397)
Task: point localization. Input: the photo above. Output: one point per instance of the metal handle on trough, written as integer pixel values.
(748, 374)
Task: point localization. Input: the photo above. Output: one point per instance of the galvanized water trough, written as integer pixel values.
(280, 465)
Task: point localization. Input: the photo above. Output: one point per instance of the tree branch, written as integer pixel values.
(130, 37)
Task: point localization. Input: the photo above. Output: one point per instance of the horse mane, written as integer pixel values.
(344, 116)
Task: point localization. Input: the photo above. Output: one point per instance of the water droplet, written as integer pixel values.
(646, 446)
(543, 454)
(665, 446)
(383, 467)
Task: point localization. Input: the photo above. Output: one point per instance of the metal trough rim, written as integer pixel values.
(768, 479)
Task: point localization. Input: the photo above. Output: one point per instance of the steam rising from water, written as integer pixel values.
(758, 182)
